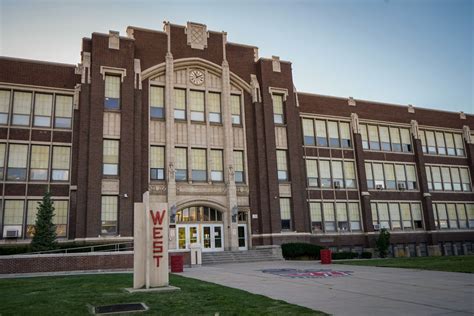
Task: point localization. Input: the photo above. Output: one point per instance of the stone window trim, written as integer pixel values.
(106, 70)
(280, 91)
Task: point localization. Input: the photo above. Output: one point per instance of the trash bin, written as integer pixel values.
(177, 263)
(325, 256)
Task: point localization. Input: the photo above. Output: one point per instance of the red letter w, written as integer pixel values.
(157, 217)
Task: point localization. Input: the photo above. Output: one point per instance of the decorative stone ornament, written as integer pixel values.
(415, 131)
(351, 101)
(114, 40)
(466, 134)
(355, 123)
(276, 64)
(196, 77)
(197, 35)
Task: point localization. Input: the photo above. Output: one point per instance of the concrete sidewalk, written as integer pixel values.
(365, 291)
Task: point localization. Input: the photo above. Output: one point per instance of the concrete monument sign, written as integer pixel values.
(150, 258)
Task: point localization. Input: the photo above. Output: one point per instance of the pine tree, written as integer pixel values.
(383, 242)
(45, 230)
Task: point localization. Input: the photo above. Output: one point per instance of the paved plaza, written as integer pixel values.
(349, 290)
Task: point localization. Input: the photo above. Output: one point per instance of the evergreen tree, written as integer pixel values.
(383, 242)
(45, 230)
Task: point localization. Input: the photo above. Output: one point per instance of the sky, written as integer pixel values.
(418, 52)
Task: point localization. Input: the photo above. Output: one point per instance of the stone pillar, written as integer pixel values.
(418, 251)
(455, 250)
(464, 249)
(407, 252)
(231, 240)
(434, 251)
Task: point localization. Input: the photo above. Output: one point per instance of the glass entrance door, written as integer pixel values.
(242, 236)
(212, 239)
(187, 234)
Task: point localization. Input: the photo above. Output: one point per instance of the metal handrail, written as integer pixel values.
(116, 248)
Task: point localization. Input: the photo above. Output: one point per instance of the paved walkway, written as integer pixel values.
(364, 291)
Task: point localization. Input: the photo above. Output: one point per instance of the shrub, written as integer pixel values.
(295, 251)
(383, 242)
(366, 255)
(45, 230)
(344, 255)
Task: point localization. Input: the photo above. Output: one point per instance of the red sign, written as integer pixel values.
(157, 234)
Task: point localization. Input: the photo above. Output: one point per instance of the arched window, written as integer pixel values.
(198, 214)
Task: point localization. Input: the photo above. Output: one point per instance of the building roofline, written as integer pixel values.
(269, 59)
(382, 103)
(37, 61)
(244, 45)
(144, 29)
(107, 35)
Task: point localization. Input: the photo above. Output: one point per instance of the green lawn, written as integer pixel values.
(69, 295)
(451, 263)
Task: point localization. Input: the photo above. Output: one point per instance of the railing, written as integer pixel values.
(123, 246)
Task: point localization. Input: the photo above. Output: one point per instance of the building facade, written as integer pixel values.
(223, 137)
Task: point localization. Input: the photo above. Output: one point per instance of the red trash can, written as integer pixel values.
(325, 256)
(177, 263)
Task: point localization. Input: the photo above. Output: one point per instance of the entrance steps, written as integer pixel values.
(264, 253)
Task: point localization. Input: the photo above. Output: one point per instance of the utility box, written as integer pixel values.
(196, 254)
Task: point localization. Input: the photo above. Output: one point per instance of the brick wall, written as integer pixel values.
(71, 262)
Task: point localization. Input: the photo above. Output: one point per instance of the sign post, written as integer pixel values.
(150, 257)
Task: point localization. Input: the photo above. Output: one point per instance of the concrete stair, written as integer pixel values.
(266, 253)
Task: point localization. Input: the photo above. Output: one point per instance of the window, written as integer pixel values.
(235, 109)
(31, 211)
(430, 141)
(369, 175)
(60, 217)
(109, 210)
(442, 216)
(13, 216)
(364, 136)
(63, 112)
(384, 138)
(43, 108)
(325, 172)
(179, 105)
(391, 176)
(316, 218)
(214, 107)
(197, 106)
(397, 216)
(39, 164)
(21, 108)
(354, 216)
(349, 175)
(337, 174)
(406, 140)
(321, 135)
(17, 162)
(217, 167)
(239, 166)
(2, 160)
(342, 218)
(312, 173)
(60, 168)
(390, 182)
(329, 217)
(285, 213)
(157, 102)
(4, 106)
(282, 165)
(373, 137)
(111, 157)
(157, 163)
(278, 115)
(112, 92)
(459, 143)
(448, 178)
(440, 143)
(199, 165)
(461, 213)
(181, 169)
(395, 139)
(333, 134)
(308, 132)
(345, 135)
(450, 147)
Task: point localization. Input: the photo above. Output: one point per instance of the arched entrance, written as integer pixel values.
(200, 224)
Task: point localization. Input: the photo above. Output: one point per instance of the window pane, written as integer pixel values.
(365, 136)
(112, 92)
(325, 172)
(321, 135)
(109, 214)
(459, 144)
(384, 138)
(4, 102)
(349, 174)
(345, 135)
(395, 139)
(337, 174)
(333, 134)
(406, 139)
(440, 142)
(308, 132)
(374, 137)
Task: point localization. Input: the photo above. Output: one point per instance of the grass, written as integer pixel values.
(451, 264)
(69, 295)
